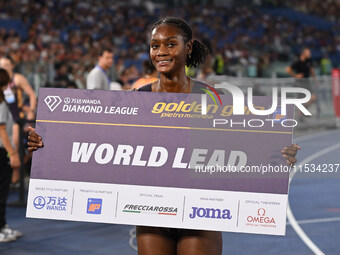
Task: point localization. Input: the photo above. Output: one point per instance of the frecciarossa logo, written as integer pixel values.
(150, 209)
(210, 213)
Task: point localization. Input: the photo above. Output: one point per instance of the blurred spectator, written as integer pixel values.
(15, 101)
(61, 80)
(150, 75)
(9, 157)
(55, 35)
(127, 77)
(71, 85)
(218, 64)
(301, 70)
(98, 78)
(206, 71)
(326, 65)
(327, 9)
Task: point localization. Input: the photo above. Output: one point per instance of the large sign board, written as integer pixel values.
(153, 159)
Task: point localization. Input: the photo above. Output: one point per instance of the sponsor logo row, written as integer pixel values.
(95, 205)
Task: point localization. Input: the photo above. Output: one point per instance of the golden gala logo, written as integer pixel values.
(182, 109)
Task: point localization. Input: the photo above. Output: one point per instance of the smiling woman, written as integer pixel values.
(171, 49)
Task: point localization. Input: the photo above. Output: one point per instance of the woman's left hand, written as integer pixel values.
(290, 152)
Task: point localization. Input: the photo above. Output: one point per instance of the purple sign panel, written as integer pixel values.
(161, 139)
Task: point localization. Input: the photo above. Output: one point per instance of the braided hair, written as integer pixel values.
(199, 51)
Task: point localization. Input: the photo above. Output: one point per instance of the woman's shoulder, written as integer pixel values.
(197, 88)
(18, 79)
(147, 88)
(144, 81)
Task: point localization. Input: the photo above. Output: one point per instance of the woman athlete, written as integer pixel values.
(14, 99)
(171, 48)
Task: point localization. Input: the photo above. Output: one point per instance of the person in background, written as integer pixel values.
(301, 70)
(14, 98)
(206, 71)
(150, 75)
(98, 78)
(127, 77)
(326, 65)
(71, 85)
(61, 80)
(9, 157)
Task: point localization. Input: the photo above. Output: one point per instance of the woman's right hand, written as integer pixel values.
(34, 140)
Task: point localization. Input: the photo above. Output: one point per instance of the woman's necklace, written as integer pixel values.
(160, 89)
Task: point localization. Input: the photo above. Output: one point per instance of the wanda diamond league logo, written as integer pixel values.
(52, 102)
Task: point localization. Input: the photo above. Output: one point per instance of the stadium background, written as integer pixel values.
(55, 43)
